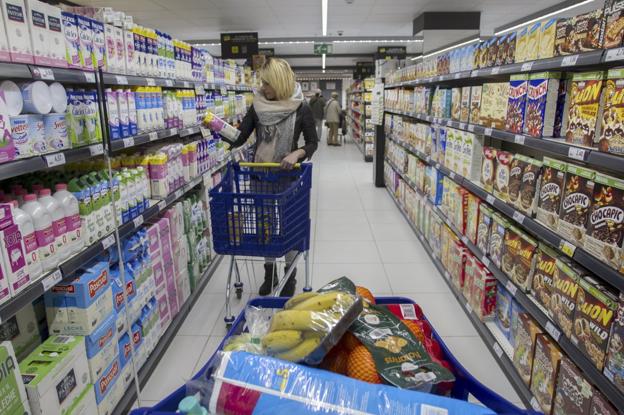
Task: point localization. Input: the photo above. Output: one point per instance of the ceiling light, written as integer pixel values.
(447, 48)
(380, 41)
(289, 42)
(324, 11)
(323, 61)
(565, 9)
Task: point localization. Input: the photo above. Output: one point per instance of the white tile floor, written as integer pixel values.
(357, 232)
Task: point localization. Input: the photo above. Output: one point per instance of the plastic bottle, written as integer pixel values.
(96, 201)
(82, 192)
(44, 232)
(71, 207)
(58, 222)
(107, 201)
(27, 228)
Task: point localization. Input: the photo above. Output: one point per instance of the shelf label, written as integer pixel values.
(519, 139)
(56, 159)
(121, 79)
(187, 84)
(43, 73)
(138, 221)
(495, 70)
(178, 193)
(527, 66)
(462, 125)
(89, 77)
(108, 241)
(188, 131)
(153, 136)
(447, 275)
(518, 217)
(569, 60)
(150, 81)
(457, 75)
(567, 248)
(511, 287)
(497, 349)
(471, 128)
(576, 153)
(162, 205)
(428, 159)
(52, 279)
(96, 149)
(169, 82)
(486, 261)
(452, 175)
(207, 179)
(490, 199)
(474, 73)
(535, 405)
(553, 331)
(487, 131)
(468, 308)
(128, 142)
(616, 54)
(173, 131)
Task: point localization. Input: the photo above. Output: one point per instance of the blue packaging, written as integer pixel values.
(441, 150)
(516, 309)
(503, 310)
(106, 382)
(102, 347)
(125, 359)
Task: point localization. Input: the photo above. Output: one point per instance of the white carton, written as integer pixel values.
(85, 34)
(5, 293)
(129, 51)
(107, 392)
(22, 330)
(12, 252)
(14, 12)
(99, 45)
(110, 52)
(56, 39)
(102, 347)
(72, 40)
(120, 49)
(38, 26)
(14, 400)
(4, 42)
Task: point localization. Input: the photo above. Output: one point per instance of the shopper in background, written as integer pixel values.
(332, 118)
(279, 115)
(317, 103)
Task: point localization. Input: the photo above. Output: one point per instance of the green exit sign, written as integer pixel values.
(322, 48)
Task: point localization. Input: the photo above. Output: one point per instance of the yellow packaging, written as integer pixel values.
(547, 39)
(533, 42)
(521, 44)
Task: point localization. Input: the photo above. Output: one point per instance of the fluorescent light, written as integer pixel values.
(323, 61)
(565, 9)
(447, 48)
(324, 11)
(288, 42)
(380, 41)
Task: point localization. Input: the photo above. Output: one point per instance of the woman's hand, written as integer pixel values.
(290, 160)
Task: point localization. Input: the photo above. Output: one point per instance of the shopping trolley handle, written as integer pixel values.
(268, 165)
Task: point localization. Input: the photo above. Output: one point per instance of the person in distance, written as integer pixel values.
(332, 117)
(317, 103)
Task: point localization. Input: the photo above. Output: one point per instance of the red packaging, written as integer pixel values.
(406, 311)
(469, 274)
(457, 260)
(483, 292)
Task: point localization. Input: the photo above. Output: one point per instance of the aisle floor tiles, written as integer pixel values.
(379, 254)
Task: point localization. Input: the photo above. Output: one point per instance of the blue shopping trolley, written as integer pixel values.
(259, 209)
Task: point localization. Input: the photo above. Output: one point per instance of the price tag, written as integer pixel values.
(89, 77)
(511, 287)
(553, 331)
(437, 166)
(567, 248)
(138, 221)
(150, 81)
(474, 73)
(462, 125)
(52, 279)
(428, 159)
(162, 205)
(179, 193)
(576, 153)
(169, 82)
(495, 70)
(487, 131)
(173, 131)
(519, 139)
(223, 90)
(207, 181)
(187, 84)
(153, 136)
(189, 131)
(518, 217)
(457, 75)
(96, 149)
(468, 308)
(471, 128)
(526, 67)
(464, 239)
(447, 275)
(56, 159)
(486, 261)
(535, 405)
(128, 142)
(490, 199)
(121, 79)
(569, 60)
(43, 73)
(452, 175)
(616, 54)
(497, 349)
(108, 241)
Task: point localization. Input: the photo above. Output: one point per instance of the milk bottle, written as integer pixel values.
(58, 222)
(44, 232)
(31, 248)
(71, 208)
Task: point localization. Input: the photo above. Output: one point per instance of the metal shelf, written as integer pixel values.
(144, 138)
(138, 80)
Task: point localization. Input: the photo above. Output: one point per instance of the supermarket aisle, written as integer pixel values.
(357, 232)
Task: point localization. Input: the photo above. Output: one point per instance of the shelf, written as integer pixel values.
(145, 138)
(144, 373)
(47, 73)
(137, 80)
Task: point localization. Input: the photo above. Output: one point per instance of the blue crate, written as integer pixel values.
(260, 211)
(465, 383)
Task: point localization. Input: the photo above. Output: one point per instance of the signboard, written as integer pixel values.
(377, 104)
(363, 70)
(330, 86)
(266, 51)
(323, 48)
(391, 52)
(239, 45)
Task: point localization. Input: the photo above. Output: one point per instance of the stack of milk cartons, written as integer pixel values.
(119, 302)
(166, 255)
(151, 329)
(195, 223)
(155, 252)
(14, 270)
(180, 251)
(24, 332)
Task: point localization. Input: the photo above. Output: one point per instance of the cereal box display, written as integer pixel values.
(521, 44)
(494, 104)
(545, 370)
(543, 276)
(614, 23)
(503, 310)
(564, 37)
(516, 103)
(516, 310)
(588, 31)
(531, 176)
(456, 103)
(573, 393)
(511, 243)
(605, 225)
(614, 363)
(488, 168)
(541, 105)
(524, 261)
(612, 129)
(547, 39)
(497, 238)
(502, 170)
(600, 406)
(464, 111)
(526, 332)
(533, 41)
(510, 48)
(473, 204)
(584, 107)
(483, 292)
(563, 299)
(561, 112)
(475, 104)
(551, 189)
(595, 310)
(457, 259)
(515, 178)
(483, 228)
(576, 203)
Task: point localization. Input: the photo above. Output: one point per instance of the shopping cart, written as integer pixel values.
(260, 210)
(465, 384)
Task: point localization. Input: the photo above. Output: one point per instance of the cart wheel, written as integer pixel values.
(307, 289)
(239, 290)
(228, 322)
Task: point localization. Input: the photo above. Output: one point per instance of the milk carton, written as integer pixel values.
(110, 52)
(7, 147)
(99, 45)
(16, 23)
(85, 36)
(55, 132)
(163, 310)
(12, 252)
(102, 347)
(125, 360)
(56, 376)
(129, 52)
(38, 27)
(81, 305)
(22, 330)
(5, 55)
(107, 389)
(120, 49)
(72, 40)
(14, 400)
(56, 39)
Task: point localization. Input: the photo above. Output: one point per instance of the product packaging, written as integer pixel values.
(14, 400)
(516, 104)
(527, 330)
(475, 104)
(543, 277)
(55, 36)
(589, 31)
(500, 185)
(564, 36)
(574, 393)
(464, 115)
(576, 203)
(497, 238)
(584, 108)
(503, 310)
(545, 370)
(98, 50)
(551, 191)
(22, 330)
(614, 24)
(530, 183)
(483, 228)
(73, 54)
(493, 111)
(38, 27)
(16, 24)
(521, 44)
(541, 107)
(102, 347)
(12, 253)
(488, 168)
(5, 54)
(600, 405)
(611, 137)
(563, 299)
(614, 363)
(547, 39)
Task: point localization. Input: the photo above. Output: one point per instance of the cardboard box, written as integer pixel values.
(85, 36)
(5, 54)
(563, 300)
(614, 24)
(541, 106)
(574, 393)
(55, 36)
(18, 35)
(614, 363)
(14, 400)
(542, 285)
(551, 191)
(600, 405)
(106, 389)
(545, 370)
(98, 54)
(22, 330)
(500, 185)
(585, 108)
(38, 27)
(527, 330)
(576, 203)
(547, 39)
(14, 259)
(102, 347)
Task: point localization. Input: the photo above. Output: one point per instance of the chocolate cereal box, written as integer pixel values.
(488, 168)
(576, 203)
(614, 364)
(600, 405)
(475, 104)
(541, 105)
(515, 177)
(502, 170)
(510, 48)
(605, 224)
(526, 332)
(484, 227)
(516, 103)
(551, 190)
(472, 217)
(456, 103)
(494, 104)
(614, 24)
(573, 393)
(588, 31)
(530, 183)
(564, 37)
(511, 245)
(503, 310)
(543, 275)
(595, 310)
(584, 106)
(547, 39)
(464, 112)
(563, 299)
(612, 131)
(497, 238)
(524, 261)
(545, 370)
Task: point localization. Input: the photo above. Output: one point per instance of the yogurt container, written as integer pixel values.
(56, 132)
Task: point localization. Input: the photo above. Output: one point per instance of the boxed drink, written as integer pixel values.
(38, 27)
(18, 35)
(55, 37)
(102, 347)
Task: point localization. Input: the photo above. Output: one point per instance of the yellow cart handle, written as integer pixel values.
(269, 165)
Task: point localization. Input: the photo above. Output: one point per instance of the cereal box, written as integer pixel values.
(526, 332)
(501, 49)
(503, 310)
(464, 112)
(588, 31)
(561, 111)
(563, 299)
(541, 106)
(600, 405)
(614, 363)
(605, 224)
(475, 104)
(595, 311)
(573, 393)
(614, 23)
(488, 168)
(584, 108)
(545, 370)
(456, 103)
(545, 268)
(500, 187)
(511, 243)
(612, 128)
(492, 48)
(524, 261)
(533, 41)
(494, 104)
(516, 310)
(472, 217)
(576, 203)
(515, 177)
(484, 227)
(483, 292)
(510, 48)
(497, 238)
(551, 190)
(516, 103)
(521, 44)
(547, 39)
(527, 202)
(564, 36)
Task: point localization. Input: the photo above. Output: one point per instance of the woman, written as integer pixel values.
(332, 118)
(279, 115)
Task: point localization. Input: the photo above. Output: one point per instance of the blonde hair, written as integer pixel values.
(277, 73)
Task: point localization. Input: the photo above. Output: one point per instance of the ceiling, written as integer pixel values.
(195, 20)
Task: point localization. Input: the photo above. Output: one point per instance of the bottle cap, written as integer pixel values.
(31, 197)
(44, 192)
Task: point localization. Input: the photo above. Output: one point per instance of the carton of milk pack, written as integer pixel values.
(55, 37)
(99, 45)
(72, 40)
(102, 347)
(22, 330)
(12, 252)
(105, 396)
(14, 400)
(38, 27)
(85, 36)
(18, 35)
(125, 360)
(5, 55)
(110, 52)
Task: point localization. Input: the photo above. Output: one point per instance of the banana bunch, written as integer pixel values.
(306, 319)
